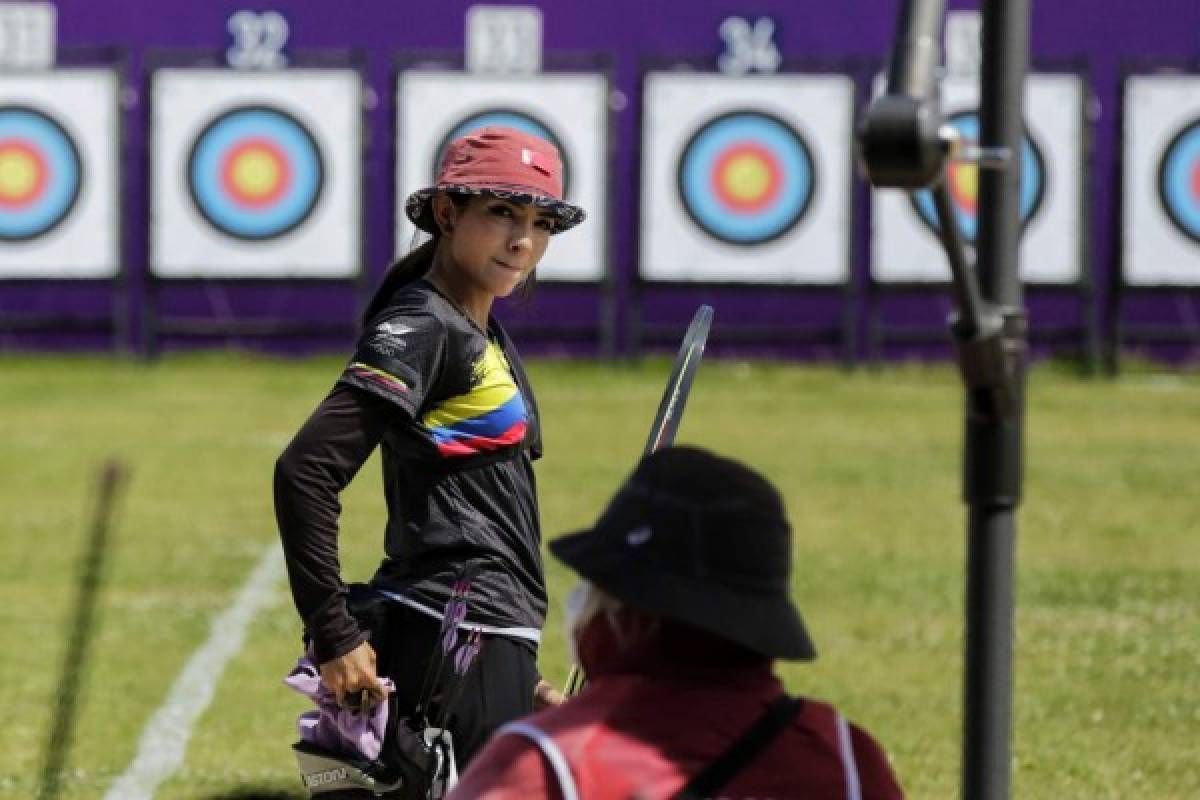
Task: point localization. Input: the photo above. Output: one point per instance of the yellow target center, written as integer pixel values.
(256, 173)
(747, 177)
(18, 173)
(966, 181)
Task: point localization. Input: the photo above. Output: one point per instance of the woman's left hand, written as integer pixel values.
(546, 696)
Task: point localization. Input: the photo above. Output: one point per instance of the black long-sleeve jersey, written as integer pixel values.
(454, 413)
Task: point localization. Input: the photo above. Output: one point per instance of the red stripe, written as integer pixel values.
(482, 444)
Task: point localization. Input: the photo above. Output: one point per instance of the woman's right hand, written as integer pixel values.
(349, 675)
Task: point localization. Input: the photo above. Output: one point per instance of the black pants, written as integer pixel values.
(497, 689)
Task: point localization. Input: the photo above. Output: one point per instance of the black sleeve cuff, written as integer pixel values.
(333, 631)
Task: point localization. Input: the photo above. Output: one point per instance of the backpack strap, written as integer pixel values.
(744, 750)
(554, 756)
(849, 763)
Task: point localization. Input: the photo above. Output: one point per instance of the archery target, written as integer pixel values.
(256, 174)
(40, 173)
(1161, 214)
(962, 180)
(1179, 180)
(746, 179)
(59, 145)
(904, 244)
(570, 110)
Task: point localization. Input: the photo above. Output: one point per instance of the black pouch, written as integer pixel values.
(417, 763)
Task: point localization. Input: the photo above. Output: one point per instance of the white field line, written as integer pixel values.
(165, 738)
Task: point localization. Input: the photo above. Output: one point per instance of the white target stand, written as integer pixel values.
(1155, 293)
(62, 253)
(907, 304)
(747, 185)
(566, 99)
(256, 192)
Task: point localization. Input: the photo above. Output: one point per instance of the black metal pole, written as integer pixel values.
(993, 457)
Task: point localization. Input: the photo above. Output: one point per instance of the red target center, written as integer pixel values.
(746, 178)
(24, 174)
(256, 173)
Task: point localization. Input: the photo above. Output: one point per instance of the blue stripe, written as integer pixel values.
(491, 424)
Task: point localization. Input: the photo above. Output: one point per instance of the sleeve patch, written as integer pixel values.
(377, 377)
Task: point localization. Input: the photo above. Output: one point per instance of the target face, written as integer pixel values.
(1179, 180)
(40, 173)
(509, 118)
(255, 173)
(963, 182)
(746, 177)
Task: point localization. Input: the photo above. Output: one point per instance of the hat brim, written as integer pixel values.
(766, 623)
(419, 206)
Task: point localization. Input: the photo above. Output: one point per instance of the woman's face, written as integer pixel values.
(494, 243)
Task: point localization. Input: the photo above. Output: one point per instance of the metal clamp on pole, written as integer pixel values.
(900, 135)
(904, 144)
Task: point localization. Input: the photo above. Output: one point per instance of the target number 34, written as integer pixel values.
(258, 40)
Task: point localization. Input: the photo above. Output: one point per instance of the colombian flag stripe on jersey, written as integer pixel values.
(490, 416)
(377, 376)
(504, 426)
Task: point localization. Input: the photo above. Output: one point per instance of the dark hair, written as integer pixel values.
(409, 269)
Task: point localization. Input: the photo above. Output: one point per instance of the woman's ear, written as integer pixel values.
(444, 212)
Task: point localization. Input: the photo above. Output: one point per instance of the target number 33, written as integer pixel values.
(258, 40)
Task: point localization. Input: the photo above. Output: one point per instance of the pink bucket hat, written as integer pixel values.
(503, 162)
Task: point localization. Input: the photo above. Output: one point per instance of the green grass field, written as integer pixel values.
(1107, 673)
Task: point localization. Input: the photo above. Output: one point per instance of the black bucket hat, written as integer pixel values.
(701, 539)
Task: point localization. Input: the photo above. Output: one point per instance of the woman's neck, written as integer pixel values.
(476, 304)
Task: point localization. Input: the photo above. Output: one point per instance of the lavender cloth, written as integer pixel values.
(332, 727)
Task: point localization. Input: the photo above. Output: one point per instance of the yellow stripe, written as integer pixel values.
(495, 388)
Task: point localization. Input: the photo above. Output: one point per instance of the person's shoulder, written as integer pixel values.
(415, 308)
(415, 297)
(870, 758)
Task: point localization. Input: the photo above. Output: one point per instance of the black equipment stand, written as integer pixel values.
(905, 146)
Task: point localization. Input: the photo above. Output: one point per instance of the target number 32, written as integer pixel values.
(258, 40)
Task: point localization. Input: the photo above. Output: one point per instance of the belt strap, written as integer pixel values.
(744, 750)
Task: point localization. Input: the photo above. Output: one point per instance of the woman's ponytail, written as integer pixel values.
(407, 270)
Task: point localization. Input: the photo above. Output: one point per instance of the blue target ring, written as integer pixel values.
(41, 173)
(962, 180)
(255, 173)
(1179, 180)
(509, 118)
(746, 177)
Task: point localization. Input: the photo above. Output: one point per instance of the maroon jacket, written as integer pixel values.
(658, 711)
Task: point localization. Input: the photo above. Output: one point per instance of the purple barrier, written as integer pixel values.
(1103, 35)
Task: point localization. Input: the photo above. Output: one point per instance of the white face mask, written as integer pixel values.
(572, 609)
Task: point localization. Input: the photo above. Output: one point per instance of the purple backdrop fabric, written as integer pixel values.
(1102, 34)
